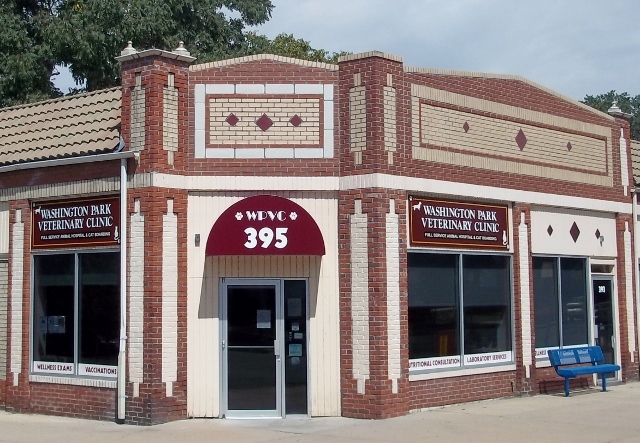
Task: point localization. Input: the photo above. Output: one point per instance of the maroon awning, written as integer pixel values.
(265, 225)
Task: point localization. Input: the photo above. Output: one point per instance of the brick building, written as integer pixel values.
(265, 236)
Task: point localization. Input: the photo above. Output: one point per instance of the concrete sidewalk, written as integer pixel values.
(586, 416)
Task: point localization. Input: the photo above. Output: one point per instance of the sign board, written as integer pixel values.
(453, 224)
(79, 222)
(265, 225)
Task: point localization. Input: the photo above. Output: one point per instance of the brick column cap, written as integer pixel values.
(361, 55)
(130, 53)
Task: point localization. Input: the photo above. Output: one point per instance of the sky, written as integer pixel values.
(575, 47)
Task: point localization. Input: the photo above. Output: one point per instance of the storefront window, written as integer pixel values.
(487, 304)
(53, 308)
(99, 300)
(434, 327)
(449, 290)
(560, 294)
(76, 313)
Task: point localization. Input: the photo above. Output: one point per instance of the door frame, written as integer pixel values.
(615, 317)
(278, 283)
(278, 346)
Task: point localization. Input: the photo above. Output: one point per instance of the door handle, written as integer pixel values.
(224, 345)
(276, 348)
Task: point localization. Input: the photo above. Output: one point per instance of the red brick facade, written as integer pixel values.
(378, 163)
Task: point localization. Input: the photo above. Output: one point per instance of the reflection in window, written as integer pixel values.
(487, 304)
(436, 297)
(545, 296)
(94, 278)
(53, 310)
(433, 305)
(560, 294)
(99, 304)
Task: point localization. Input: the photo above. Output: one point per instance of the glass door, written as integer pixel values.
(251, 348)
(604, 333)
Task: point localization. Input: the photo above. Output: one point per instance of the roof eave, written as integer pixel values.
(67, 161)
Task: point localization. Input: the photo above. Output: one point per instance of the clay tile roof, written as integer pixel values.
(635, 161)
(71, 126)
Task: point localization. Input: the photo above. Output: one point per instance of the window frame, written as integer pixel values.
(460, 278)
(540, 353)
(76, 312)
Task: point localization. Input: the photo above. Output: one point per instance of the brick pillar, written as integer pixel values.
(373, 253)
(626, 300)
(155, 104)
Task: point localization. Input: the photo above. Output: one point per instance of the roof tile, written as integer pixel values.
(82, 124)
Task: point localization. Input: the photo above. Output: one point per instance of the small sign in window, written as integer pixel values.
(263, 319)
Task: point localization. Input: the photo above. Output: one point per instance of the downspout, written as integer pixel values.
(634, 224)
(122, 361)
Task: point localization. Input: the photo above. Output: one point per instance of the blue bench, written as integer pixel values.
(561, 358)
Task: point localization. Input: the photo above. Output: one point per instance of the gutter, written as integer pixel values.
(122, 360)
(68, 161)
(634, 260)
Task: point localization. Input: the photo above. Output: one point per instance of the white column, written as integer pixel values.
(628, 275)
(136, 298)
(393, 295)
(17, 267)
(525, 301)
(360, 297)
(169, 298)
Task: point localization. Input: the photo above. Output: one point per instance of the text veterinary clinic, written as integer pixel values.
(460, 219)
(76, 217)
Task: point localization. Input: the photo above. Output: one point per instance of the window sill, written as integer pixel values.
(462, 372)
(89, 382)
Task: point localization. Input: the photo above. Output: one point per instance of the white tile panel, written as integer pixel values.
(200, 143)
(199, 118)
(221, 153)
(199, 94)
(328, 115)
(250, 153)
(328, 143)
(308, 152)
(222, 88)
(328, 92)
(305, 88)
(249, 89)
(279, 88)
(279, 153)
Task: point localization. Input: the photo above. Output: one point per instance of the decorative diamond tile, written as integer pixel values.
(465, 127)
(521, 139)
(597, 233)
(549, 230)
(296, 120)
(569, 146)
(575, 232)
(264, 122)
(232, 120)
